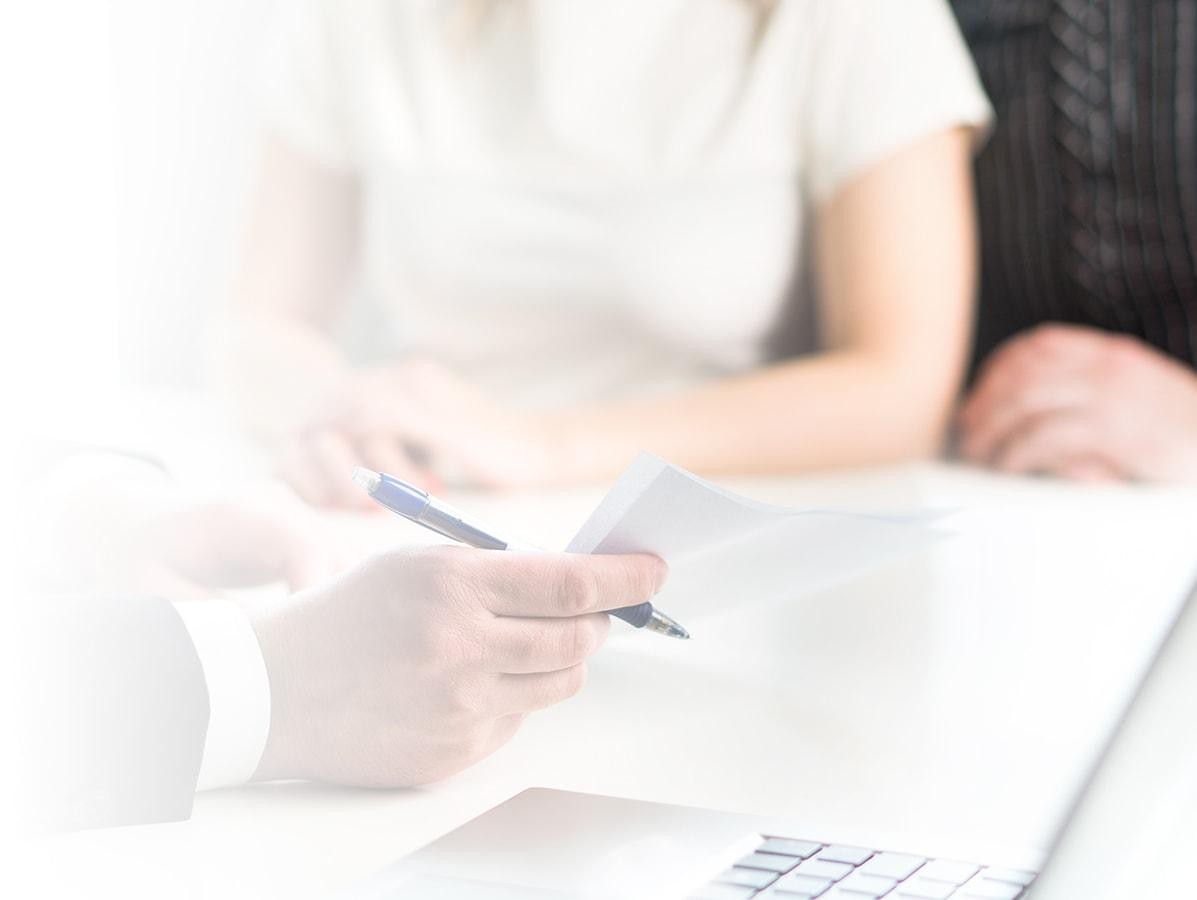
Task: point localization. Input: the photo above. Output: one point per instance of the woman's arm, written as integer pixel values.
(897, 261)
(276, 359)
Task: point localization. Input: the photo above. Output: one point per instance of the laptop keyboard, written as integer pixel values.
(789, 869)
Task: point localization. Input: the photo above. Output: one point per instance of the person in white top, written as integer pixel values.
(737, 233)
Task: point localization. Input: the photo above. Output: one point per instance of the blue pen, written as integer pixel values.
(417, 506)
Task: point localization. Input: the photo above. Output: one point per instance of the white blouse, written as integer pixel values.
(571, 200)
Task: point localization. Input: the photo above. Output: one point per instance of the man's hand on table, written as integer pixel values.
(418, 663)
(1083, 403)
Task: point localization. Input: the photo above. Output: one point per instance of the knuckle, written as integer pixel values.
(527, 643)
(1121, 350)
(1046, 336)
(646, 576)
(449, 572)
(579, 641)
(1020, 374)
(579, 590)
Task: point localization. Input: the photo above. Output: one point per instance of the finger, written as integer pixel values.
(995, 375)
(1037, 355)
(336, 458)
(502, 731)
(387, 454)
(1008, 414)
(1047, 443)
(528, 693)
(525, 646)
(567, 584)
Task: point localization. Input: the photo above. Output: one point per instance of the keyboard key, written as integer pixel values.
(925, 889)
(789, 847)
(853, 856)
(948, 870)
(724, 892)
(756, 878)
(771, 862)
(988, 889)
(868, 885)
(797, 885)
(893, 865)
(1013, 876)
(822, 868)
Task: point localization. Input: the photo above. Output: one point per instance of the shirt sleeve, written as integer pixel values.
(302, 88)
(886, 74)
(238, 691)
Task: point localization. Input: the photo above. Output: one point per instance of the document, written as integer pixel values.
(726, 550)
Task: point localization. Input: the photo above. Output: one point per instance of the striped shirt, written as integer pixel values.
(1088, 189)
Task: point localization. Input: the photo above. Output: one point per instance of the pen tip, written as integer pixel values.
(366, 479)
(663, 624)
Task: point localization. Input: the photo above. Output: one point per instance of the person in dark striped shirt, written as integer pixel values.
(1086, 340)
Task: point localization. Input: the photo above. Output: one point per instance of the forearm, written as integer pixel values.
(275, 371)
(276, 359)
(850, 407)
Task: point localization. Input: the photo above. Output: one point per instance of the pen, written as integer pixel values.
(417, 506)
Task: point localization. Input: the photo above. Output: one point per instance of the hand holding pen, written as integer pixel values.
(417, 506)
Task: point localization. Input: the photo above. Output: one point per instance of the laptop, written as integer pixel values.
(1131, 832)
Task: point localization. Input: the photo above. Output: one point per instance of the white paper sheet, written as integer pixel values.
(725, 550)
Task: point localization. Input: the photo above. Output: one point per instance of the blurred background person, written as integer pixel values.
(738, 233)
(1086, 342)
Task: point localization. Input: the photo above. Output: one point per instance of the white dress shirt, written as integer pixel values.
(238, 691)
(234, 670)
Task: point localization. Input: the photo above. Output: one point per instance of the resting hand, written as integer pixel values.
(123, 527)
(418, 421)
(195, 551)
(418, 663)
(1083, 403)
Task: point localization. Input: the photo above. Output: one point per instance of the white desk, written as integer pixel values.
(957, 693)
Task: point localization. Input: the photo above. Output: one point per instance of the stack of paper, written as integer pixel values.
(725, 550)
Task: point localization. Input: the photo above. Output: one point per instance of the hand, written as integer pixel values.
(195, 551)
(418, 663)
(420, 422)
(318, 462)
(118, 525)
(1083, 403)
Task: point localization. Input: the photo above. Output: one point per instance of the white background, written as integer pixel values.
(130, 138)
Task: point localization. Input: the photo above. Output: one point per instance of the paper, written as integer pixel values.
(726, 550)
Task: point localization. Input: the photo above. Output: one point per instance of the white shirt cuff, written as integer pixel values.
(238, 691)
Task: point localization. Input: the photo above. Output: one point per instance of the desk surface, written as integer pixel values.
(959, 692)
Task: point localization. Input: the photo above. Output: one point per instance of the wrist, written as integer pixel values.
(272, 625)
